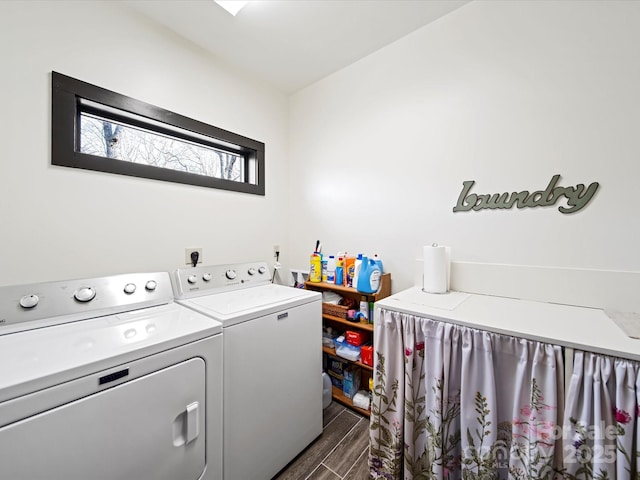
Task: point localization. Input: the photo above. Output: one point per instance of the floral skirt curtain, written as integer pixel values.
(601, 431)
(452, 402)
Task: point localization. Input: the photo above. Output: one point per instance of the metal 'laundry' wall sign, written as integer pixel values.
(576, 197)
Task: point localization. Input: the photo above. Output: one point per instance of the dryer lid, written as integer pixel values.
(39, 358)
(250, 302)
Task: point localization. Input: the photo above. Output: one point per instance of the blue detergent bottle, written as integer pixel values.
(369, 276)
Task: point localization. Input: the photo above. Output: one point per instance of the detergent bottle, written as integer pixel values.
(324, 261)
(349, 271)
(331, 269)
(340, 271)
(356, 270)
(369, 276)
(315, 268)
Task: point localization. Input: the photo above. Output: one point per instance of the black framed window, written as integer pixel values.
(97, 129)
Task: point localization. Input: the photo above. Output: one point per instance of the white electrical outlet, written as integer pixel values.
(187, 255)
(276, 250)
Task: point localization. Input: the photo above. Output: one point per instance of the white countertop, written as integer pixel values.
(582, 328)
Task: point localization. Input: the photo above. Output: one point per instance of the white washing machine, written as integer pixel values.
(272, 365)
(108, 378)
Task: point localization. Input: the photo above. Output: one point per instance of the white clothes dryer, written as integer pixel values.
(108, 378)
(272, 363)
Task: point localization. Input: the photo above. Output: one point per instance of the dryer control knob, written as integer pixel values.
(84, 294)
(251, 271)
(192, 279)
(206, 277)
(231, 274)
(129, 288)
(29, 301)
(262, 270)
(151, 285)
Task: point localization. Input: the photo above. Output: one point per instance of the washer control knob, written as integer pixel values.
(84, 294)
(206, 277)
(129, 288)
(150, 285)
(251, 271)
(262, 270)
(29, 301)
(231, 274)
(192, 279)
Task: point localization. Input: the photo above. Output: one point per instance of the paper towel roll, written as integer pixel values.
(435, 278)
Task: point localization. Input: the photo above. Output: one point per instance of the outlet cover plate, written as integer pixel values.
(187, 255)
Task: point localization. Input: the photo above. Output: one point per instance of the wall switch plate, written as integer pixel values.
(187, 255)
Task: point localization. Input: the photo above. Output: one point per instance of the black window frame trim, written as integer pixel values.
(67, 94)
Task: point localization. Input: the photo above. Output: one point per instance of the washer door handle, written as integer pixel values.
(193, 425)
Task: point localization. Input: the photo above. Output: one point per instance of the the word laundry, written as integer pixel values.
(577, 197)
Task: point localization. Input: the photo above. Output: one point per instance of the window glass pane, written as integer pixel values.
(96, 129)
(105, 138)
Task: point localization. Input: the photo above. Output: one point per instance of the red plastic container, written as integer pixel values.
(354, 338)
(366, 355)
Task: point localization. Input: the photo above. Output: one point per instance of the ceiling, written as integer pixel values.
(291, 44)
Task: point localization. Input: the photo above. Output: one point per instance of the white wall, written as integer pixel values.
(504, 93)
(62, 223)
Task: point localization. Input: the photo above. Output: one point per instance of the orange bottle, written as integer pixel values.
(349, 271)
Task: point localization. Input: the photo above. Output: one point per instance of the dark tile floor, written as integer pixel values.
(340, 453)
